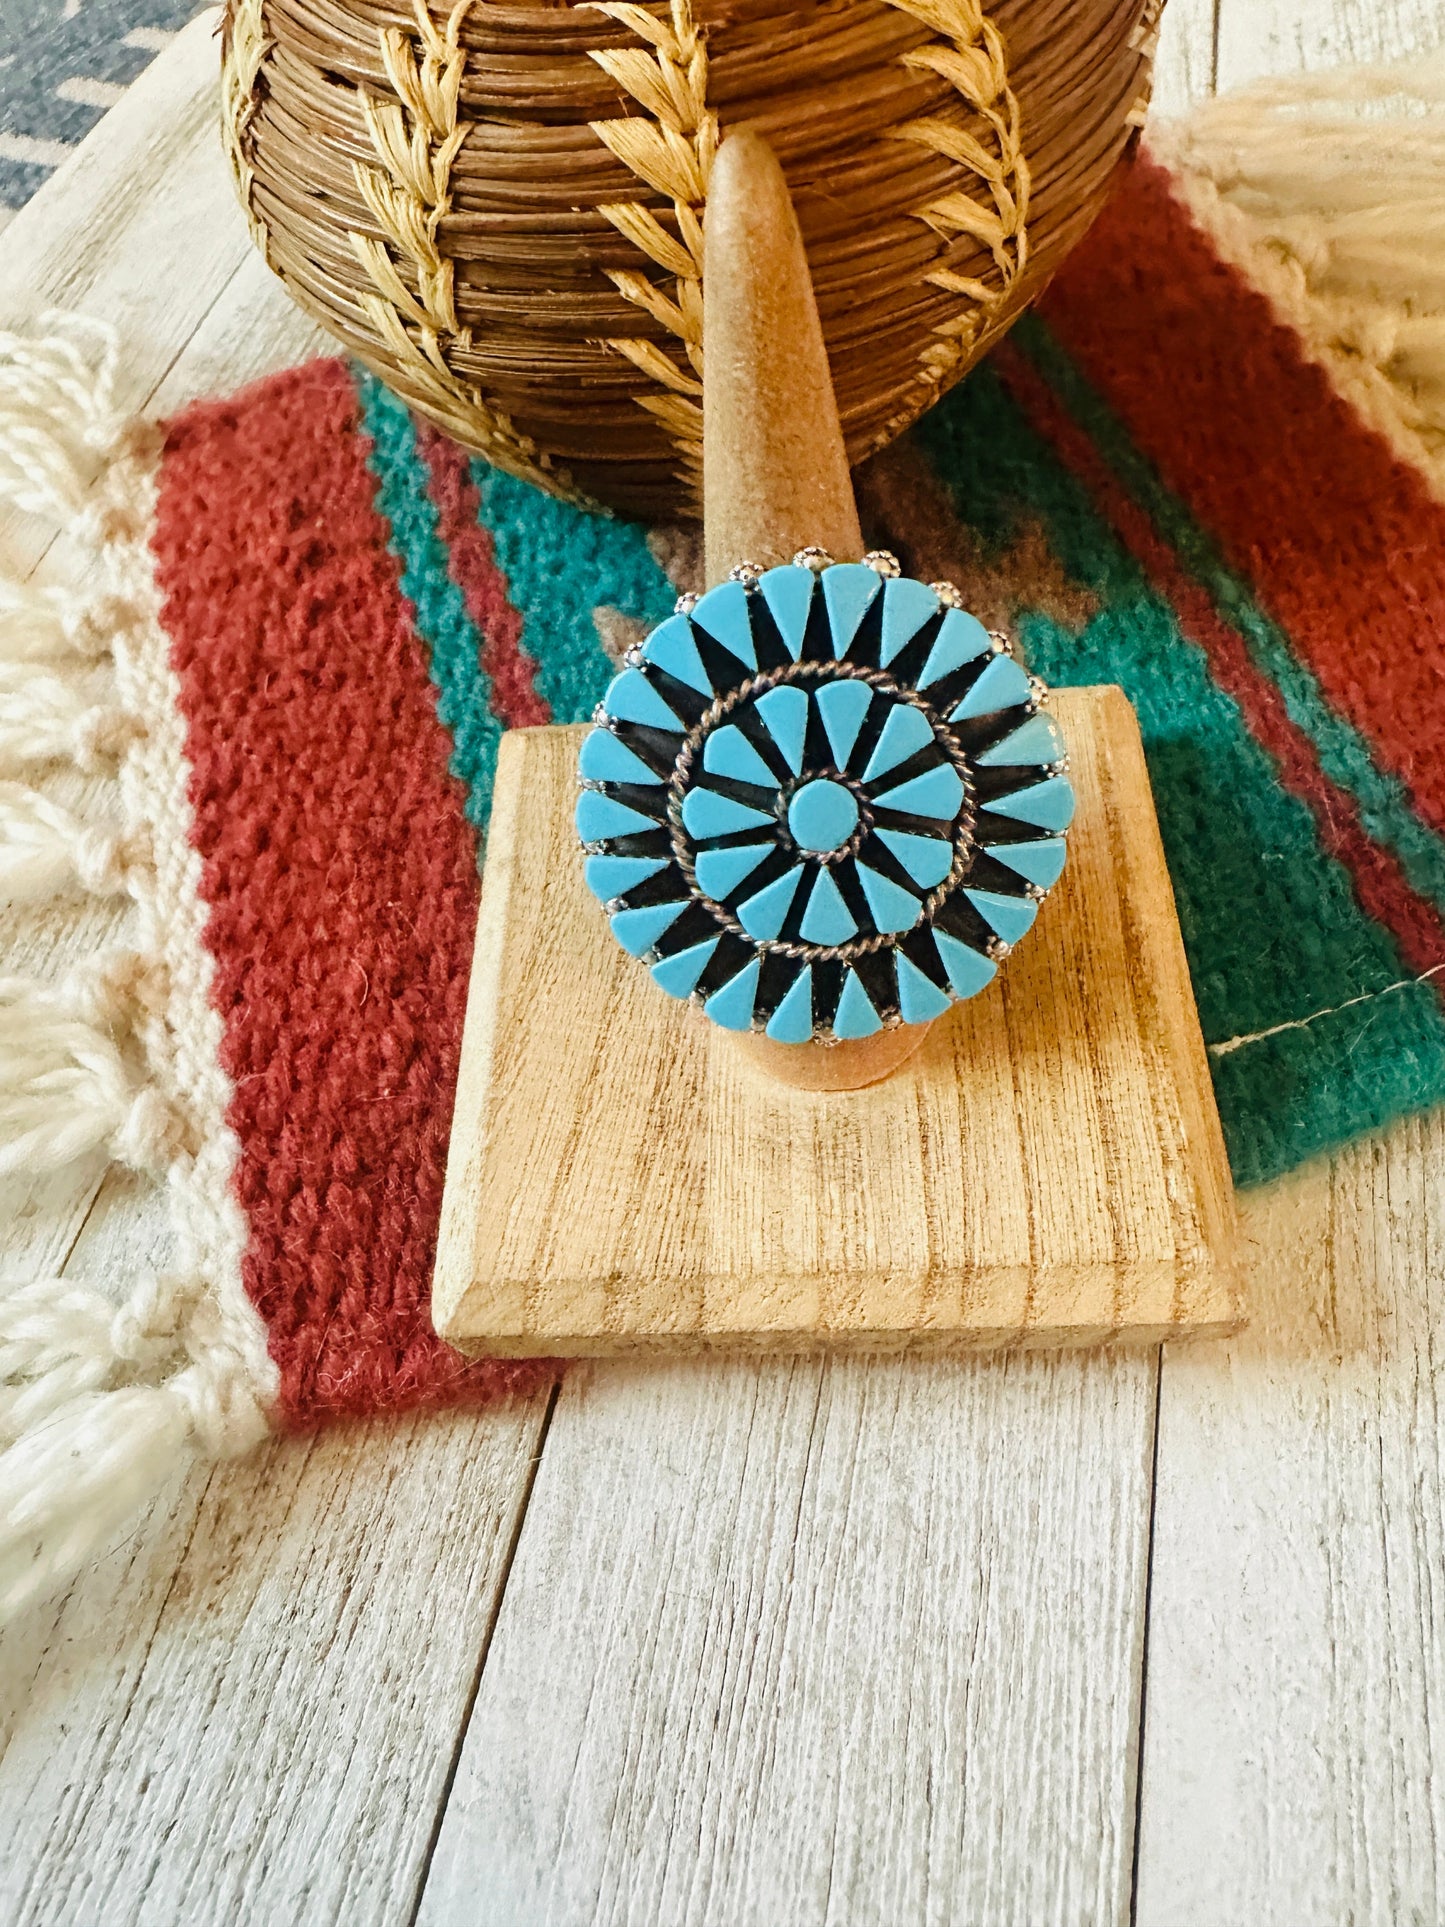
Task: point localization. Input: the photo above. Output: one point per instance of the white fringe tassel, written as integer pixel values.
(84, 1450)
(40, 624)
(101, 1398)
(58, 421)
(68, 1083)
(1327, 190)
(65, 717)
(45, 848)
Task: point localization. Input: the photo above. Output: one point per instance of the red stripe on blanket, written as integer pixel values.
(341, 882)
(1342, 543)
(1380, 883)
(472, 565)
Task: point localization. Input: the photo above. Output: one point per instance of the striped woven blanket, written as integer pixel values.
(322, 616)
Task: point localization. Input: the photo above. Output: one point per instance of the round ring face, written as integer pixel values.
(822, 803)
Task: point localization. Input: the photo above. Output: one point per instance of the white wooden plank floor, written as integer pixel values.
(801, 1642)
(848, 1641)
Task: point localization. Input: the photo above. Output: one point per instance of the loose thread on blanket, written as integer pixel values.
(1227, 1046)
(39, 624)
(72, 1482)
(61, 1341)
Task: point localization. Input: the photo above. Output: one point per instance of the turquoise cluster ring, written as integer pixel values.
(822, 800)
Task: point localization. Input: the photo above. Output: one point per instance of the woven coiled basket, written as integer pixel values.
(500, 209)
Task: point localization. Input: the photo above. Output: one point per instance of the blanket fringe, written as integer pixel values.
(43, 624)
(101, 1396)
(69, 1486)
(58, 421)
(67, 1082)
(1327, 191)
(45, 849)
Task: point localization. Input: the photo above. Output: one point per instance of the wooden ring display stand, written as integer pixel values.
(1042, 1165)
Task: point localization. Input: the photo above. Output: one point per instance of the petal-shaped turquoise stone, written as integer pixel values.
(598, 817)
(855, 1015)
(919, 998)
(1010, 917)
(1001, 686)
(893, 907)
(960, 638)
(1041, 863)
(907, 605)
(638, 930)
(785, 716)
(727, 752)
(678, 974)
(613, 876)
(605, 759)
(792, 1021)
(724, 613)
(927, 859)
(1036, 741)
(843, 705)
(762, 915)
(709, 813)
(938, 792)
(1048, 805)
(968, 970)
(905, 733)
(827, 919)
(719, 872)
(732, 1005)
(631, 698)
(822, 815)
(788, 593)
(672, 648)
(848, 589)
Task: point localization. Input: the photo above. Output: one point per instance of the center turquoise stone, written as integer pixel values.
(822, 815)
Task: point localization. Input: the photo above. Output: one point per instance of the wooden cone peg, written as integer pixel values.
(775, 476)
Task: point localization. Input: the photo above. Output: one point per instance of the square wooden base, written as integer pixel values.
(1048, 1169)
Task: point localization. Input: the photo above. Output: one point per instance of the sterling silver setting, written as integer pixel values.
(823, 800)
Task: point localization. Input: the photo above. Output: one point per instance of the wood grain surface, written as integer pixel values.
(826, 1641)
(808, 1641)
(1048, 1167)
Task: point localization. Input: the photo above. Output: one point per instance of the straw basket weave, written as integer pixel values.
(500, 209)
